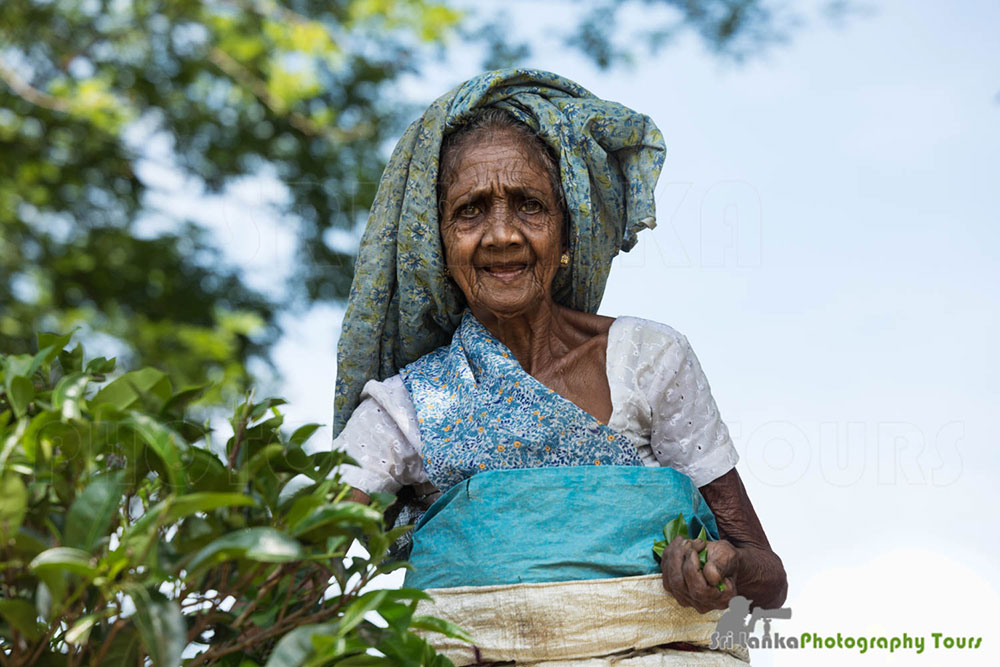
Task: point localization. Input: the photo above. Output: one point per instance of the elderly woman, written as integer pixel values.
(550, 443)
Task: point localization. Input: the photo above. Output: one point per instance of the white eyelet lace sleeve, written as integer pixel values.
(382, 436)
(662, 397)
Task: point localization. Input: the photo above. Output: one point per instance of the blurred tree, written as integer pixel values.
(300, 90)
(616, 32)
(296, 89)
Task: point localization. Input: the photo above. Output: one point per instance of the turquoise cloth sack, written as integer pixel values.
(552, 524)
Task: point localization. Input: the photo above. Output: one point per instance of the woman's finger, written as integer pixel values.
(673, 575)
(721, 562)
(694, 580)
(712, 574)
(702, 595)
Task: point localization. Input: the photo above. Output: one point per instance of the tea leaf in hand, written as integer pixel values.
(676, 528)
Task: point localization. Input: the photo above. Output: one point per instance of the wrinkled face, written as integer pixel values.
(501, 226)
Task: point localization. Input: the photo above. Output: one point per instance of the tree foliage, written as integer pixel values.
(95, 94)
(126, 533)
(297, 90)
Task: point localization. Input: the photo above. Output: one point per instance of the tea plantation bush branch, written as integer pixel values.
(129, 536)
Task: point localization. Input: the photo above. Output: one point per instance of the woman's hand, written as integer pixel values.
(693, 585)
(759, 571)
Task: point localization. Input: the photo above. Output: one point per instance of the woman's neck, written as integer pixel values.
(536, 338)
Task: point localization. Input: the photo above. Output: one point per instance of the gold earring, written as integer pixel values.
(564, 259)
(447, 272)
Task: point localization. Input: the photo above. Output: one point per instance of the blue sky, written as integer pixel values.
(827, 240)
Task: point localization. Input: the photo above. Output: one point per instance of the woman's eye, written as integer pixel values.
(532, 206)
(468, 211)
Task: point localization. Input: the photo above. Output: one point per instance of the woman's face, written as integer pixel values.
(501, 226)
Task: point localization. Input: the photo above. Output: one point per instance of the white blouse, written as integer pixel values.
(659, 395)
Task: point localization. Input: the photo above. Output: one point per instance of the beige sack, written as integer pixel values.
(594, 622)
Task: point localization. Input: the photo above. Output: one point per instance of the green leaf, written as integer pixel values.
(20, 391)
(658, 547)
(167, 444)
(354, 514)
(191, 503)
(181, 399)
(45, 594)
(257, 411)
(262, 457)
(63, 559)
(355, 612)
(296, 647)
(126, 392)
(13, 502)
(409, 594)
(27, 543)
(327, 461)
(175, 508)
(72, 360)
(93, 510)
(161, 626)
(205, 472)
(381, 500)
(51, 344)
(100, 365)
(392, 566)
(446, 628)
(303, 433)
(80, 632)
(300, 509)
(294, 459)
(15, 365)
(256, 438)
(46, 435)
(396, 615)
(35, 433)
(68, 395)
(22, 616)
(266, 545)
(674, 529)
(703, 554)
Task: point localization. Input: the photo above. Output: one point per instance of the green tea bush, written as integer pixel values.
(126, 539)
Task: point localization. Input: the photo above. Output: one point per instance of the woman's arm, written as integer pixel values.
(742, 559)
(383, 439)
(358, 496)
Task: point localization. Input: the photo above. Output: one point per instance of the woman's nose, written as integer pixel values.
(501, 228)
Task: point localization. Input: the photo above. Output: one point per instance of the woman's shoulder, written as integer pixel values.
(645, 357)
(649, 335)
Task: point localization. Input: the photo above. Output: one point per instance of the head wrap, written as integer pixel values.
(402, 305)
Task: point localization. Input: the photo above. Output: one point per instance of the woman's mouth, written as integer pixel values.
(505, 272)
